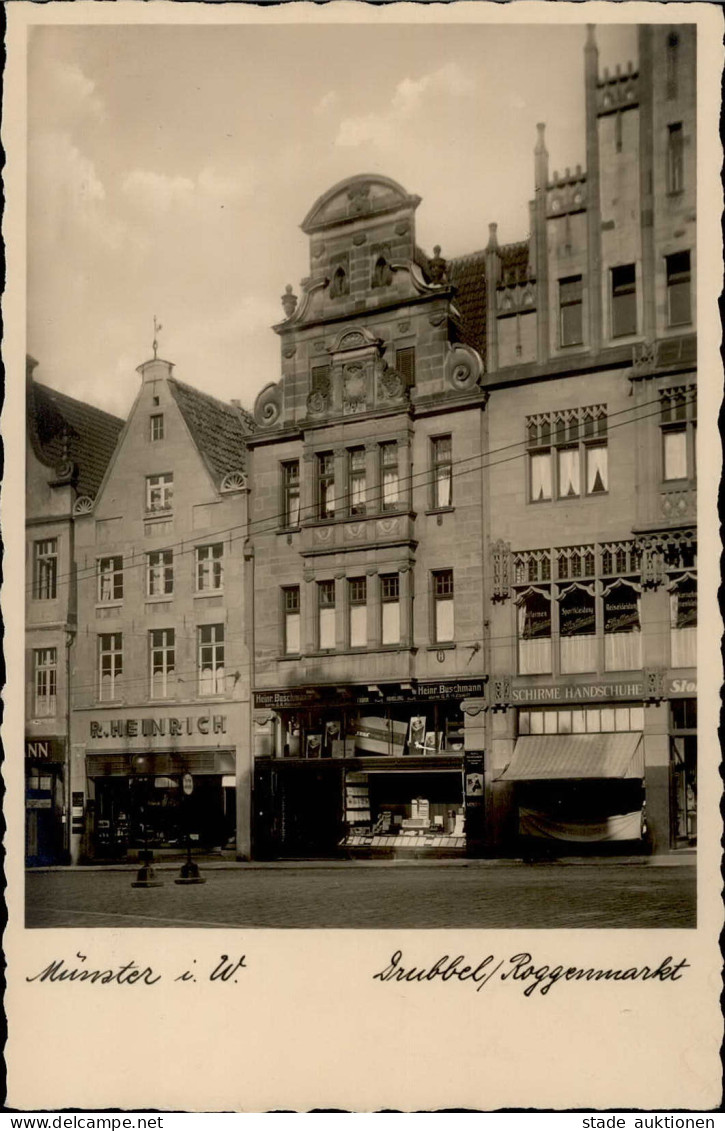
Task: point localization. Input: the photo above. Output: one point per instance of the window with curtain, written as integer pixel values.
(577, 629)
(291, 613)
(291, 493)
(389, 475)
(568, 472)
(597, 468)
(622, 627)
(357, 595)
(390, 600)
(325, 614)
(325, 484)
(110, 579)
(45, 664)
(211, 659)
(357, 480)
(540, 476)
(443, 620)
(683, 623)
(45, 569)
(110, 665)
(534, 632)
(442, 471)
(162, 642)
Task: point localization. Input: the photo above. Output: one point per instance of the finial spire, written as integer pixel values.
(157, 327)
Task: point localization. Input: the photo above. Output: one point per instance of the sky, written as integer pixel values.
(169, 169)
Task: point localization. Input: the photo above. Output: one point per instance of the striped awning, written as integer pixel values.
(556, 757)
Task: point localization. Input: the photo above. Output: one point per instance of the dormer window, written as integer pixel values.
(382, 273)
(339, 285)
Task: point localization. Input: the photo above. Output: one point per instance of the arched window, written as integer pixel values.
(534, 631)
(622, 627)
(339, 285)
(577, 629)
(382, 273)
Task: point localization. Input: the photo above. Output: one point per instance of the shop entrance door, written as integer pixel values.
(298, 809)
(43, 826)
(683, 770)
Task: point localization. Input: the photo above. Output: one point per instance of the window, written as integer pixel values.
(110, 665)
(622, 635)
(570, 311)
(675, 158)
(443, 625)
(209, 567)
(159, 492)
(163, 662)
(565, 449)
(339, 285)
(389, 475)
(110, 579)
(291, 613)
(45, 681)
(45, 569)
(291, 493)
(157, 426)
(325, 484)
(390, 598)
(577, 629)
(624, 301)
(382, 273)
(405, 364)
(210, 659)
(534, 631)
(357, 592)
(679, 310)
(678, 411)
(325, 614)
(683, 624)
(159, 573)
(580, 720)
(357, 480)
(442, 471)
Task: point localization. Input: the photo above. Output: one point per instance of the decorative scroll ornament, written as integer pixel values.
(317, 402)
(463, 368)
(652, 565)
(268, 406)
(83, 505)
(501, 555)
(234, 481)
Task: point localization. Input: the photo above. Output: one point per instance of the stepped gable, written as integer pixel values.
(219, 430)
(62, 429)
(515, 263)
(468, 275)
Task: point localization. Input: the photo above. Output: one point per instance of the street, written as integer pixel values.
(471, 894)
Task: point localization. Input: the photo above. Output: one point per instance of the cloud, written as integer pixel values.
(159, 192)
(326, 102)
(409, 97)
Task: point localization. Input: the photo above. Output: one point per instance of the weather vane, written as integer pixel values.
(157, 327)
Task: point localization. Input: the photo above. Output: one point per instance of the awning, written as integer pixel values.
(555, 757)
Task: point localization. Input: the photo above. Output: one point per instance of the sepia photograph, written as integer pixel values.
(360, 497)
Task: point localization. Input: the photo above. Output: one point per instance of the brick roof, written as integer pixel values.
(468, 275)
(61, 428)
(219, 430)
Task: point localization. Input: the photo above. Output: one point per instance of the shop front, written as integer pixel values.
(683, 762)
(152, 784)
(44, 801)
(377, 770)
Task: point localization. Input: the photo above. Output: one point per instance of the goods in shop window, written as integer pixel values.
(432, 742)
(416, 734)
(313, 746)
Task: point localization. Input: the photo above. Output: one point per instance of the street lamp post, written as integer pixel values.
(190, 869)
(146, 876)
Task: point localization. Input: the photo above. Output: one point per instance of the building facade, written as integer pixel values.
(160, 667)
(69, 444)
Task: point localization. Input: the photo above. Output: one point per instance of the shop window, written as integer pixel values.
(291, 493)
(570, 311)
(110, 579)
(356, 480)
(163, 662)
(157, 426)
(683, 622)
(389, 476)
(675, 158)
(390, 600)
(45, 682)
(160, 573)
(622, 627)
(291, 613)
(580, 720)
(684, 714)
(443, 622)
(566, 448)
(678, 412)
(624, 300)
(159, 492)
(210, 567)
(534, 631)
(211, 659)
(679, 308)
(45, 569)
(325, 484)
(405, 364)
(325, 615)
(442, 471)
(577, 629)
(110, 665)
(357, 592)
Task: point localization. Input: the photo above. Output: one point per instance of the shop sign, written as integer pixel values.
(576, 692)
(460, 689)
(676, 687)
(577, 619)
(158, 727)
(686, 608)
(39, 803)
(187, 784)
(300, 697)
(44, 749)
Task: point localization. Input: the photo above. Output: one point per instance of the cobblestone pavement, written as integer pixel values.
(496, 895)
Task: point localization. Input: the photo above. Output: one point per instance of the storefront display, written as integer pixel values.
(389, 809)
